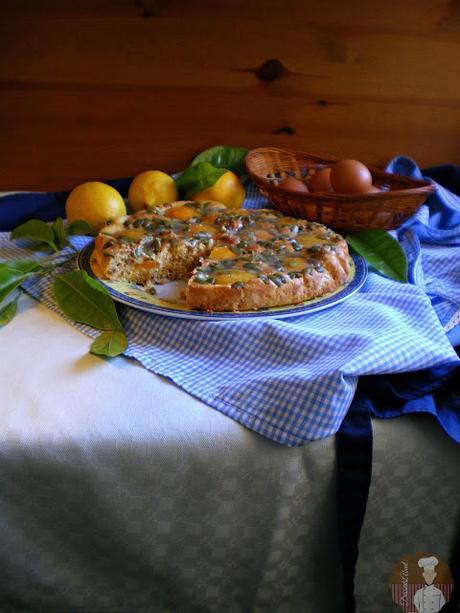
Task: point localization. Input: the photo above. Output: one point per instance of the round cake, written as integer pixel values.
(232, 260)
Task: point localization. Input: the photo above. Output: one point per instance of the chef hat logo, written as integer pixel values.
(428, 563)
(421, 581)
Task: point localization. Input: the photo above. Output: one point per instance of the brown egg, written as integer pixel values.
(350, 177)
(320, 181)
(293, 184)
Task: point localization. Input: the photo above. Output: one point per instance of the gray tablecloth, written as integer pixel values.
(413, 506)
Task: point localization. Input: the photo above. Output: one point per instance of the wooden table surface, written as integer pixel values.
(96, 89)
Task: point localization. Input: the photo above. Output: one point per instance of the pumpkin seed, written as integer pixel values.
(202, 277)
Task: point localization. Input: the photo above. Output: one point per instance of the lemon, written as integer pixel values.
(228, 189)
(94, 202)
(151, 187)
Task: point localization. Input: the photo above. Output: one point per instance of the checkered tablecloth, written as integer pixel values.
(293, 380)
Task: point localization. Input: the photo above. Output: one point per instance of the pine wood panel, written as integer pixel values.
(94, 89)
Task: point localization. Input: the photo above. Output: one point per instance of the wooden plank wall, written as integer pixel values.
(93, 89)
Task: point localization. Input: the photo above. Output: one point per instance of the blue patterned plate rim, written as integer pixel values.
(358, 277)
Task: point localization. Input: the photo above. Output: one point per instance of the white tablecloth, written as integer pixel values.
(120, 492)
(123, 493)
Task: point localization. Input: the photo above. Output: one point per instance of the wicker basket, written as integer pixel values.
(399, 199)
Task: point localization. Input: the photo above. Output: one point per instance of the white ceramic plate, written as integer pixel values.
(169, 298)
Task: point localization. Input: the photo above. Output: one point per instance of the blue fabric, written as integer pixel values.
(293, 380)
(435, 227)
(431, 239)
(438, 220)
(435, 390)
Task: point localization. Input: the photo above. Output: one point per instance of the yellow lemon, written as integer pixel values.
(94, 202)
(150, 188)
(228, 189)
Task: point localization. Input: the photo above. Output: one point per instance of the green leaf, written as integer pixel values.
(10, 279)
(80, 227)
(8, 312)
(60, 236)
(82, 299)
(21, 266)
(110, 343)
(14, 272)
(197, 178)
(221, 156)
(35, 230)
(382, 252)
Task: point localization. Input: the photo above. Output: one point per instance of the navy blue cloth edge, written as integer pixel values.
(354, 445)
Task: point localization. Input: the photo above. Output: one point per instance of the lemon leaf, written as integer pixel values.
(110, 343)
(382, 252)
(8, 312)
(21, 266)
(198, 178)
(223, 156)
(35, 230)
(80, 227)
(10, 279)
(60, 236)
(13, 273)
(82, 299)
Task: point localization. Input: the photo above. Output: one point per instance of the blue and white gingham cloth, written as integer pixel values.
(426, 237)
(293, 380)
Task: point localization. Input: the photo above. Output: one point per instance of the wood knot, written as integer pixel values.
(151, 8)
(323, 102)
(270, 70)
(285, 130)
